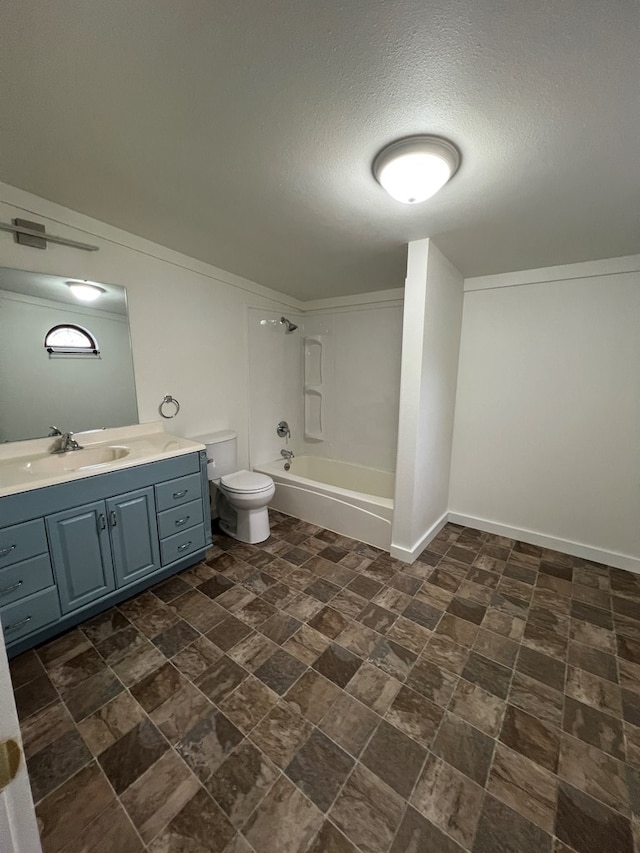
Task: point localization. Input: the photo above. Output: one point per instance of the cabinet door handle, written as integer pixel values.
(114, 518)
(184, 547)
(184, 520)
(181, 494)
(8, 589)
(102, 521)
(5, 551)
(17, 625)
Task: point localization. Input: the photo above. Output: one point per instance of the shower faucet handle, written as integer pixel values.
(283, 430)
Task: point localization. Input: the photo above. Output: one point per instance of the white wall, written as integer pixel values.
(188, 319)
(361, 377)
(275, 367)
(73, 393)
(430, 344)
(547, 427)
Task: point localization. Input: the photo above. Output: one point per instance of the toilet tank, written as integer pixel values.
(222, 453)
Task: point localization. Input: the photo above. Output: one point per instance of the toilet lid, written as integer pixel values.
(246, 482)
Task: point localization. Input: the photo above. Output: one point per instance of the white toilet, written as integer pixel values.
(241, 496)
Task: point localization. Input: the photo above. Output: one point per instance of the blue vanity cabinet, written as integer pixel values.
(71, 550)
(81, 554)
(134, 535)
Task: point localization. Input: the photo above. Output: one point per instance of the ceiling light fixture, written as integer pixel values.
(84, 291)
(415, 168)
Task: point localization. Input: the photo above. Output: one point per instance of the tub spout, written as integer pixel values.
(286, 454)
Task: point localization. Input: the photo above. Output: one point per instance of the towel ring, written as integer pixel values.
(168, 399)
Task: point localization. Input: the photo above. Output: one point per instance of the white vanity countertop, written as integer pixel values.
(27, 465)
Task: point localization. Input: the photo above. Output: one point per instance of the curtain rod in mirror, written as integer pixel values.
(34, 235)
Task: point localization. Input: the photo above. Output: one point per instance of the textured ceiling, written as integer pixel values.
(242, 133)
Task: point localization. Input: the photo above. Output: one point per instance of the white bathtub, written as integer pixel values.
(348, 499)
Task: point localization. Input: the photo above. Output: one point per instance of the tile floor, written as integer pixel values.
(313, 694)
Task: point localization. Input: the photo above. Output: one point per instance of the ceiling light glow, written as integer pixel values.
(413, 169)
(84, 291)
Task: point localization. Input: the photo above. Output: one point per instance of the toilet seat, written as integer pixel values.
(246, 483)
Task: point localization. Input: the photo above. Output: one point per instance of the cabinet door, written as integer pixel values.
(81, 554)
(134, 535)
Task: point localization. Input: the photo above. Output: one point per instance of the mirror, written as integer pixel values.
(73, 391)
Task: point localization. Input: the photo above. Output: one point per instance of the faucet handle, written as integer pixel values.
(53, 431)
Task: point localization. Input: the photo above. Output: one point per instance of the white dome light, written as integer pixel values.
(84, 291)
(414, 169)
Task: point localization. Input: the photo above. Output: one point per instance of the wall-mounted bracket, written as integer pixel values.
(34, 234)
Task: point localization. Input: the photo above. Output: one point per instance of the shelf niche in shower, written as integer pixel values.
(313, 375)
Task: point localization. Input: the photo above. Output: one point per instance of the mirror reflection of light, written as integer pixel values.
(84, 291)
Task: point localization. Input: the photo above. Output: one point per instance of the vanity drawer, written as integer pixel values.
(30, 614)
(22, 541)
(25, 578)
(182, 544)
(179, 518)
(179, 491)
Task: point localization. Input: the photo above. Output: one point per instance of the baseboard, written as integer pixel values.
(565, 546)
(409, 555)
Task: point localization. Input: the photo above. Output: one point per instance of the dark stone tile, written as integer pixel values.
(333, 553)
(496, 648)
(248, 704)
(323, 590)
(45, 726)
(537, 698)
(200, 825)
(91, 694)
(589, 826)
(284, 820)
(241, 782)
(394, 758)
(34, 695)
(597, 774)
(465, 609)
(594, 727)
(446, 580)
(449, 799)
(195, 658)
(337, 664)
(416, 834)
(331, 840)
(592, 660)
(589, 688)
(432, 681)
(476, 706)
(531, 737)
(312, 695)
(116, 646)
(594, 615)
(409, 634)
(367, 811)
(228, 633)
(329, 622)
(256, 612)
(415, 715)
(541, 667)
(56, 763)
(631, 707)
(66, 646)
(392, 659)
(104, 625)
(24, 668)
(208, 743)
(280, 627)
(319, 769)
(373, 687)
(281, 734)
(405, 583)
(296, 556)
(466, 748)
(157, 687)
(171, 588)
(219, 680)
(280, 671)
(524, 786)
(128, 758)
(502, 830)
(216, 586)
(377, 618)
(628, 649)
(175, 638)
(195, 608)
(443, 651)
(349, 724)
(423, 614)
(488, 674)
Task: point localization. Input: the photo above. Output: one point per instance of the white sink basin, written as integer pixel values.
(76, 460)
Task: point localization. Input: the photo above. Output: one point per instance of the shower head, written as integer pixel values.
(290, 327)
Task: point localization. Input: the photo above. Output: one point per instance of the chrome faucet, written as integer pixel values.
(286, 454)
(53, 430)
(67, 443)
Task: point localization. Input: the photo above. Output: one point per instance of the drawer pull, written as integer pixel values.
(185, 546)
(181, 494)
(9, 589)
(17, 625)
(5, 551)
(114, 518)
(184, 520)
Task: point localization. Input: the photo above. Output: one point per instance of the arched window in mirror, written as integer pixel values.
(69, 339)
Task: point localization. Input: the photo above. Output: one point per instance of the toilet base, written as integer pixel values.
(251, 525)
